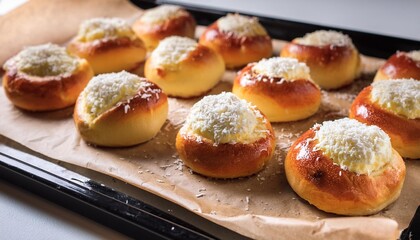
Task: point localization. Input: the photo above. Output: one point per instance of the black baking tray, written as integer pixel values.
(63, 184)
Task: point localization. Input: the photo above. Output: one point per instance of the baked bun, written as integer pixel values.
(239, 39)
(400, 65)
(183, 68)
(281, 88)
(163, 21)
(120, 109)
(393, 106)
(109, 45)
(45, 77)
(225, 137)
(345, 167)
(333, 59)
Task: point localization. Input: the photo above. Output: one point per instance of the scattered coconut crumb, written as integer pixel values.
(200, 195)
(179, 164)
(247, 203)
(166, 166)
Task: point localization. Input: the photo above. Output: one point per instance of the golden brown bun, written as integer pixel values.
(35, 93)
(151, 34)
(118, 127)
(225, 160)
(315, 178)
(398, 66)
(195, 75)
(404, 132)
(110, 55)
(288, 101)
(237, 51)
(331, 66)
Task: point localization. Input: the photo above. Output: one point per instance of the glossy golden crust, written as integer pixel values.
(237, 51)
(280, 102)
(46, 93)
(331, 66)
(151, 34)
(123, 126)
(404, 132)
(188, 80)
(110, 55)
(398, 66)
(315, 178)
(225, 160)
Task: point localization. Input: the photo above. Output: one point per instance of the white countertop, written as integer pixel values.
(25, 216)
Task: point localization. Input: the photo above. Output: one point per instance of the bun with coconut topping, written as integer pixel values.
(163, 21)
(109, 45)
(400, 65)
(333, 59)
(45, 77)
(239, 39)
(120, 109)
(280, 87)
(394, 106)
(345, 167)
(184, 68)
(225, 137)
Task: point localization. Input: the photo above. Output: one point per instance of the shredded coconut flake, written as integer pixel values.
(99, 28)
(44, 60)
(323, 38)
(414, 55)
(288, 68)
(400, 96)
(241, 25)
(107, 90)
(173, 50)
(224, 118)
(162, 13)
(354, 146)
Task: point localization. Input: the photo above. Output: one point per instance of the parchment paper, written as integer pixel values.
(262, 206)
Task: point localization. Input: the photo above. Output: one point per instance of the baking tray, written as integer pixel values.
(135, 212)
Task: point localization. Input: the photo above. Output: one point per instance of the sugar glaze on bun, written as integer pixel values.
(400, 65)
(345, 167)
(333, 59)
(45, 77)
(225, 137)
(393, 106)
(120, 109)
(184, 68)
(109, 45)
(239, 39)
(164, 21)
(280, 87)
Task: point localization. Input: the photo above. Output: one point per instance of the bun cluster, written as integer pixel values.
(348, 166)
